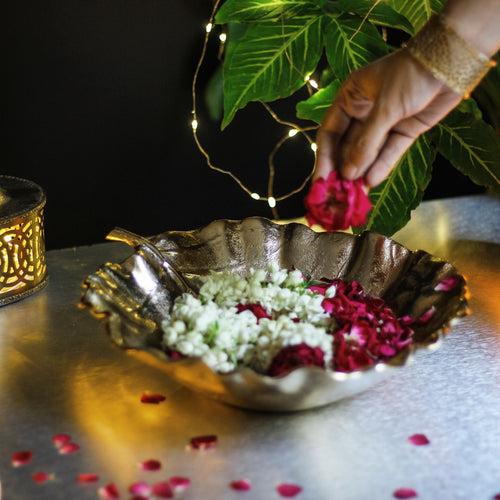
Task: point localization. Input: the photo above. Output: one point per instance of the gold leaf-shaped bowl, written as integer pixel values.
(132, 297)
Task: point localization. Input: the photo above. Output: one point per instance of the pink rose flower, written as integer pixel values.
(335, 203)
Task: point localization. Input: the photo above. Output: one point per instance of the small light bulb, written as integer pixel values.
(272, 201)
(313, 83)
(194, 124)
(292, 132)
(208, 27)
(255, 196)
(314, 147)
(222, 37)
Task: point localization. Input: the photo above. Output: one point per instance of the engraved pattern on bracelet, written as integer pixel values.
(449, 57)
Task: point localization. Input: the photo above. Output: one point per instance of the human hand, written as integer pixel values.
(378, 113)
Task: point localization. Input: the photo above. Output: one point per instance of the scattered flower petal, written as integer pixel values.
(163, 490)
(42, 477)
(150, 465)
(203, 442)
(87, 478)
(61, 439)
(179, 483)
(141, 488)
(447, 284)
(419, 439)
(109, 492)
(405, 493)
(288, 490)
(21, 458)
(68, 448)
(241, 485)
(152, 398)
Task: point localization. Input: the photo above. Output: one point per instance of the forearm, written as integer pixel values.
(477, 22)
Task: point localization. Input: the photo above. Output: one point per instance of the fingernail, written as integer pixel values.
(350, 172)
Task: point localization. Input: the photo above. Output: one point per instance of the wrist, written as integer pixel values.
(480, 30)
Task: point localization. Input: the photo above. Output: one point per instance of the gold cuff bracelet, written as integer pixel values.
(449, 57)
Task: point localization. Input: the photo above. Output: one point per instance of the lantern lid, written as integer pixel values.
(18, 197)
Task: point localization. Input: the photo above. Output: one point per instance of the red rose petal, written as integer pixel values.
(497, 497)
(150, 465)
(336, 203)
(163, 490)
(288, 490)
(87, 478)
(203, 442)
(152, 398)
(42, 477)
(405, 493)
(447, 284)
(179, 483)
(241, 485)
(68, 448)
(61, 439)
(21, 458)
(109, 492)
(419, 439)
(141, 488)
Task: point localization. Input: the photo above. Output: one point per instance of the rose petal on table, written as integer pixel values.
(241, 485)
(179, 483)
(69, 448)
(141, 488)
(20, 458)
(60, 440)
(447, 284)
(419, 439)
(405, 493)
(87, 478)
(163, 490)
(150, 465)
(152, 398)
(203, 442)
(288, 490)
(109, 492)
(42, 477)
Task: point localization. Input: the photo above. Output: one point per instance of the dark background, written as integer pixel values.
(97, 111)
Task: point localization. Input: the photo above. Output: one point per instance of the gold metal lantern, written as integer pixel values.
(23, 270)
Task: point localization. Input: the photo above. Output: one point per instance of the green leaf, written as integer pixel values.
(258, 10)
(315, 107)
(378, 12)
(395, 198)
(271, 62)
(417, 12)
(351, 43)
(471, 146)
(214, 95)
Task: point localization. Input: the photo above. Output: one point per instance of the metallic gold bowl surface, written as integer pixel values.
(132, 297)
(22, 242)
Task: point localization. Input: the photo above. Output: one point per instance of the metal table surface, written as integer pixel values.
(60, 373)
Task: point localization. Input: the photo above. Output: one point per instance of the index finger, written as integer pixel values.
(334, 125)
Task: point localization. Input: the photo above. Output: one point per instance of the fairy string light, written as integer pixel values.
(294, 129)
